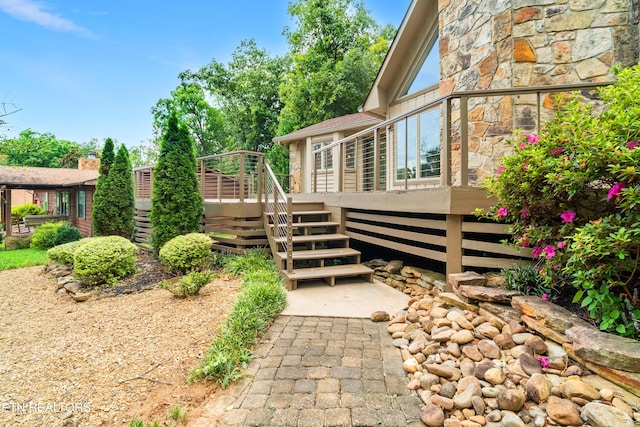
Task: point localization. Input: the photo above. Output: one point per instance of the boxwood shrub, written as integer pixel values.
(186, 253)
(44, 234)
(65, 234)
(104, 259)
(63, 254)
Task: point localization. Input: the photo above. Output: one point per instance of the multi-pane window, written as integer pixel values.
(323, 159)
(62, 203)
(81, 204)
(45, 201)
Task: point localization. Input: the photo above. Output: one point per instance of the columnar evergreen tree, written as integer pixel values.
(100, 217)
(176, 204)
(119, 199)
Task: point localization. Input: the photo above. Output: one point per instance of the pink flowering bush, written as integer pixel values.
(572, 195)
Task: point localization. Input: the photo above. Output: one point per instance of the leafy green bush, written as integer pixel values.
(63, 254)
(527, 280)
(572, 194)
(45, 234)
(65, 234)
(261, 300)
(185, 253)
(104, 259)
(27, 209)
(188, 285)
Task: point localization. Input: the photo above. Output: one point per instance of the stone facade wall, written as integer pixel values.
(522, 43)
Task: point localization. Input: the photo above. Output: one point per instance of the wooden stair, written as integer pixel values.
(319, 250)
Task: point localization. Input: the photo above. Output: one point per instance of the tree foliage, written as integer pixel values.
(38, 150)
(203, 121)
(100, 215)
(176, 204)
(336, 50)
(115, 207)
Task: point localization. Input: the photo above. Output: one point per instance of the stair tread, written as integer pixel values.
(329, 271)
(313, 238)
(321, 253)
(310, 224)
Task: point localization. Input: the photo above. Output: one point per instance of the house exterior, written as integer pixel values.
(59, 191)
(459, 78)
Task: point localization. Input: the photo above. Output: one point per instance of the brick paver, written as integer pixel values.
(318, 371)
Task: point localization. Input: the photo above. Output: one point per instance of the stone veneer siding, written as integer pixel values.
(522, 43)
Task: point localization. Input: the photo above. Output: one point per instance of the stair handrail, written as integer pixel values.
(280, 205)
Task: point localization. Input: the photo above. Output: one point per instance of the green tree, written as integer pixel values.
(36, 149)
(246, 91)
(143, 155)
(176, 204)
(203, 121)
(100, 212)
(336, 49)
(118, 202)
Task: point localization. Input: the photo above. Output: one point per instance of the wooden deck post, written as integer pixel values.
(454, 246)
(6, 209)
(242, 178)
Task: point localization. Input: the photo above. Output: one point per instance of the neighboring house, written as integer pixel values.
(458, 79)
(59, 191)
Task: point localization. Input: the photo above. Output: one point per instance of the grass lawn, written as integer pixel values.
(19, 258)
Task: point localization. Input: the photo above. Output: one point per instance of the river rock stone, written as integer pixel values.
(380, 316)
(443, 336)
(428, 380)
(432, 415)
(511, 400)
(578, 388)
(489, 349)
(81, 296)
(504, 341)
(73, 287)
(397, 327)
(563, 412)
(478, 404)
(462, 337)
(443, 402)
(463, 400)
(471, 351)
(521, 337)
(448, 390)
(512, 420)
(495, 376)
(529, 364)
(488, 330)
(399, 342)
(410, 365)
(538, 388)
(417, 346)
(536, 344)
(459, 318)
(601, 415)
(443, 371)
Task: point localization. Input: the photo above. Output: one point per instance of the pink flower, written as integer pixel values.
(567, 216)
(523, 145)
(556, 151)
(562, 245)
(544, 361)
(502, 212)
(533, 139)
(537, 251)
(549, 251)
(615, 190)
(633, 145)
(545, 297)
(524, 212)
(499, 170)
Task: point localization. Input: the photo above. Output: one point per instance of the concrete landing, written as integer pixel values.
(352, 298)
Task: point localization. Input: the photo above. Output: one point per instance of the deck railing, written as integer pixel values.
(235, 176)
(278, 205)
(429, 145)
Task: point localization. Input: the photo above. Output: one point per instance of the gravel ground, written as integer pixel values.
(100, 362)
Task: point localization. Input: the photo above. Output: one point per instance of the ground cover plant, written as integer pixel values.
(572, 195)
(19, 258)
(261, 299)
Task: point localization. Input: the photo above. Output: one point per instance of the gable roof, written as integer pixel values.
(354, 121)
(403, 56)
(33, 177)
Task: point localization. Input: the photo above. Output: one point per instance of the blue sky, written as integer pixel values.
(94, 69)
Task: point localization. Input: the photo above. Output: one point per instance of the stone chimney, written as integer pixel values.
(89, 164)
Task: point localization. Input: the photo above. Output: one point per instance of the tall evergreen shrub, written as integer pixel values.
(176, 204)
(100, 215)
(119, 199)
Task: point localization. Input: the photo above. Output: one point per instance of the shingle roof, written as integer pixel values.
(350, 121)
(32, 177)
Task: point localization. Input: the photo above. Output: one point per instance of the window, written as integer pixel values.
(428, 72)
(45, 201)
(323, 159)
(62, 203)
(81, 203)
(418, 146)
(350, 154)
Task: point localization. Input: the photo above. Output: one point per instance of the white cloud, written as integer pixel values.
(31, 11)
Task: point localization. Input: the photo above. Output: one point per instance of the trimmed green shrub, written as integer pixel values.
(99, 217)
(63, 254)
(176, 203)
(45, 234)
(27, 209)
(65, 234)
(188, 285)
(185, 253)
(104, 259)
